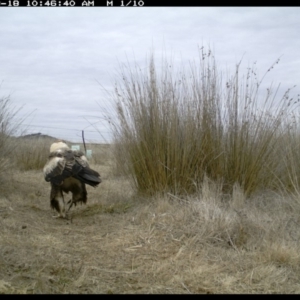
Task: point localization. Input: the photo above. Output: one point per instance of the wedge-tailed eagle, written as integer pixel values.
(68, 171)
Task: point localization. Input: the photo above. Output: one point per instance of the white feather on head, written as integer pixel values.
(59, 145)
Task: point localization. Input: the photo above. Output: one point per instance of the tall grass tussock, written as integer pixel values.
(9, 125)
(175, 127)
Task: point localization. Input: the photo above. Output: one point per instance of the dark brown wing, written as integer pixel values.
(60, 165)
(66, 163)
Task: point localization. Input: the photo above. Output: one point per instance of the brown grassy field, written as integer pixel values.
(124, 243)
(200, 192)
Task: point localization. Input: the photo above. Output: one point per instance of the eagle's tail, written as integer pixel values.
(89, 177)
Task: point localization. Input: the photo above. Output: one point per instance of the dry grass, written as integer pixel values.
(121, 243)
(31, 154)
(10, 124)
(176, 125)
(238, 233)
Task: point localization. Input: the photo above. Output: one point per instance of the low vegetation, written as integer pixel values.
(9, 125)
(120, 242)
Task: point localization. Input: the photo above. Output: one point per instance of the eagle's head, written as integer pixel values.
(59, 144)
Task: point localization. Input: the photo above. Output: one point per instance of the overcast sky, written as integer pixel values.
(53, 61)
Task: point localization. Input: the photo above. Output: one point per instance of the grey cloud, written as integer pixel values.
(56, 60)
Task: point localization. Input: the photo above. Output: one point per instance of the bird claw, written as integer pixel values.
(62, 215)
(57, 217)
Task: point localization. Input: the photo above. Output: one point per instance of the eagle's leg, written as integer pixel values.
(57, 201)
(70, 202)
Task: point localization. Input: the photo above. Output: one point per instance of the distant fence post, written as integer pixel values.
(83, 141)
